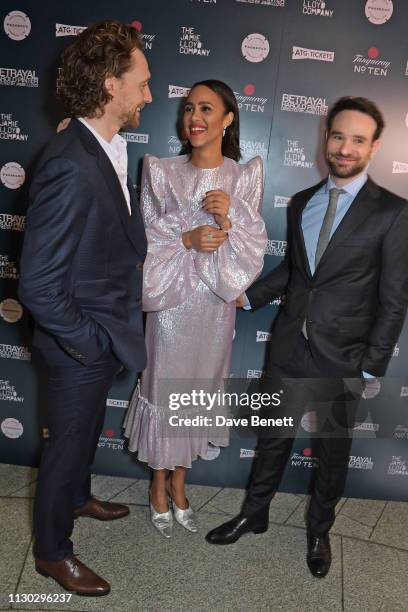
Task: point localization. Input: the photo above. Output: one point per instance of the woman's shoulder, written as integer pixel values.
(164, 162)
(252, 169)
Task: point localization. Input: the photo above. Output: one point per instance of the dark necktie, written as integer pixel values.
(327, 225)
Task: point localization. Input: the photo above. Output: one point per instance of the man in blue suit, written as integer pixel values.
(81, 278)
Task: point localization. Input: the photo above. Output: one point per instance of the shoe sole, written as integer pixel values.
(96, 518)
(42, 573)
(255, 531)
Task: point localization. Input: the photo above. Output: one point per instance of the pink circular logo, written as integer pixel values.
(249, 89)
(137, 25)
(110, 433)
(373, 52)
(307, 452)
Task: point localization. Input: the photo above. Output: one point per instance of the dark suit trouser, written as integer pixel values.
(335, 407)
(75, 413)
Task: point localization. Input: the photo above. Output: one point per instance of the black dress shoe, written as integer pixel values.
(318, 555)
(230, 532)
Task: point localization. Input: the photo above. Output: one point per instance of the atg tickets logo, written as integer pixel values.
(137, 138)
(263, 336)
(302, 53)
(280, 201)
(294, 103)
(61, 29)
(247, 453)
(175, 91)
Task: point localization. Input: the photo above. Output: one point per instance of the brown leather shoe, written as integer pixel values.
(73, 575)
(102, 511)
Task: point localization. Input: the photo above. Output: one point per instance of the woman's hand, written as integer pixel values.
(204, 238)
(217, 203)
(63, 124)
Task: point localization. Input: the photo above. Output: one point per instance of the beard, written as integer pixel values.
(130, 119)
(345, 172)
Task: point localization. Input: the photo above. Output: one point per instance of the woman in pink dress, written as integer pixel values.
(206, 246)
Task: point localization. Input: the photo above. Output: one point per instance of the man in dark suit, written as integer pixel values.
(346, 283)
(81, 278)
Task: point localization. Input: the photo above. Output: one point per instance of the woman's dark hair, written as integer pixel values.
(103, 49)
(230, 142)
(362, 105)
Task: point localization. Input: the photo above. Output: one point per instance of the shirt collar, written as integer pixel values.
(116, 148)
(351, 188)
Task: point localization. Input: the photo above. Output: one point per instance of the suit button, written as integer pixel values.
(139, 265)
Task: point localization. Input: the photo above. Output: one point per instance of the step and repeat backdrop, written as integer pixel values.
(287, 62)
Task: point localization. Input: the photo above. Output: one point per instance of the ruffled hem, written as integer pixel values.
(163, 446)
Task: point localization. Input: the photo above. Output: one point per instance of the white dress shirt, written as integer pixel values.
(116, 150)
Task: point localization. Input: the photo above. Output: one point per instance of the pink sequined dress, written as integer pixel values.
(190, 297)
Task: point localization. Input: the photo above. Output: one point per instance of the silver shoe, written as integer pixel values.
(163, 521)
(186, 518)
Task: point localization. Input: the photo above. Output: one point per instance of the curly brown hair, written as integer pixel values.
(103, 49)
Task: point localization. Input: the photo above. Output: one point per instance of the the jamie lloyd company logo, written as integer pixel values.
(378, 11)
(294, 103)
(8, 268)
(146, 38)
(280, 201)
(295, 155)
(263, 336)
(137, 138)
(358, 462)
(304, 459)
(301, 53)
(17, 25)
(8, 393)
(251, 148)
(190, 43)
(116, 403)
(14, 223)
(317, 8)
(398, 466)
(276, 248)
(255, 48)
(11, 311)
(12, 175)
(11, 351)
(399, 167)
(176, 91)
(370, 63)
(18, 77)
(62, 29)
(248, 101)
(12, 428)
(10, 129)
(278, 3)
(247, 453)
(109, 440)
(254, 373)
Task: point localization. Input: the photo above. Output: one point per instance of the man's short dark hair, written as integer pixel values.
(103, 49)
(362, 105)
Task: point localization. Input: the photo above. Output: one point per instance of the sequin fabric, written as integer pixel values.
(190, 300)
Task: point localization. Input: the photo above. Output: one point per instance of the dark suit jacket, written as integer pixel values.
(81, 267)
(356, 301)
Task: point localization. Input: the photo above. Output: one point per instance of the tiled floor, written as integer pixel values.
(259, 573)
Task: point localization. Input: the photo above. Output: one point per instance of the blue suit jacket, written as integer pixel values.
(81, 267)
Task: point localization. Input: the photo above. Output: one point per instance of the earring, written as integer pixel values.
(223, 132)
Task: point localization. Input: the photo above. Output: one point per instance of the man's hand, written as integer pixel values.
(241, 301)
(204, 238)
(217, 203)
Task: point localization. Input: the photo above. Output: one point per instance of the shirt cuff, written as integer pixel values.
(247, 305)
(367, 375)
